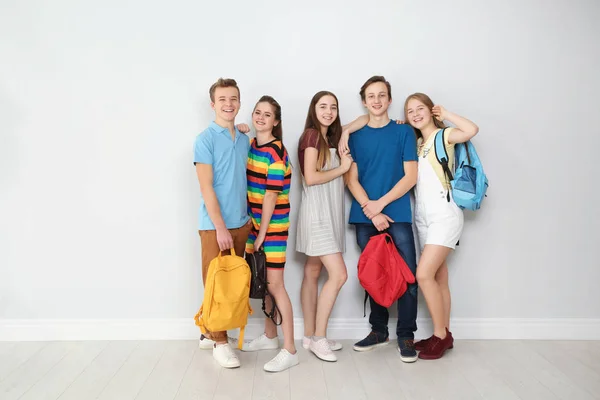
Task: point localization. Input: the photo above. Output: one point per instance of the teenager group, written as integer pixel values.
(245, 187)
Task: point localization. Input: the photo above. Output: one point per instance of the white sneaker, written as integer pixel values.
(261, 343)
(321, 349)
(282, 361)
(333, 345)
(207, 344)
(225, 356)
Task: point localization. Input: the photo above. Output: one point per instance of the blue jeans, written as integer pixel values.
(404, 240)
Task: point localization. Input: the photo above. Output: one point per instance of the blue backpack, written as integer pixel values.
(469, 183)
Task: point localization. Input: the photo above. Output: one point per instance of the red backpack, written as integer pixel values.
(382, 271)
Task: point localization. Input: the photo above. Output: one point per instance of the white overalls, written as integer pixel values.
(438, 220)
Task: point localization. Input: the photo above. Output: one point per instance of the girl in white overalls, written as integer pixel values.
(438, 219)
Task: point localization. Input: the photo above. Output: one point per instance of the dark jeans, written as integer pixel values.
(404, 240)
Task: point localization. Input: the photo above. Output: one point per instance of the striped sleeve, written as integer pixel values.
(276, 176)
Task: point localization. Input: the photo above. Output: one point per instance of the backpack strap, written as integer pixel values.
(199, 320)
(241, 337)
(467, 151)
(274, 313)
(442, 156)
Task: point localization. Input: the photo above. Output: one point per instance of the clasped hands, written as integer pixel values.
(372, 210)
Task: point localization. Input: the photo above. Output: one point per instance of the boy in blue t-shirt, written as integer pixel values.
(383, 172)
(220, 157)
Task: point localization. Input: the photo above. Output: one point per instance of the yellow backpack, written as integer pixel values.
(226, 302)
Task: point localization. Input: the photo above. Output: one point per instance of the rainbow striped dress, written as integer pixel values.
(269, 170)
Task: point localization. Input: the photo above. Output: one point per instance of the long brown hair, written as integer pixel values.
(277, 129)
(423, 98)
(334, 131)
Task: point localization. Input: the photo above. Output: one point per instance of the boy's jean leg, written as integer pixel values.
(379, 315)
(403, 237)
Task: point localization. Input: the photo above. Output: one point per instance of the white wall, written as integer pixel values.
(100, 104)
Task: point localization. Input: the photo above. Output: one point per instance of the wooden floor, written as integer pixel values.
(164, 370)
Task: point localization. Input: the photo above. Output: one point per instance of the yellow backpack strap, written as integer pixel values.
(241, 338)
(198, 315)
(199, 321)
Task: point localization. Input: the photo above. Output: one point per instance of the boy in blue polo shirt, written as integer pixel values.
(220, 157)
(383, 172)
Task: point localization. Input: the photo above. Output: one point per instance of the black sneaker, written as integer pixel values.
(372, 341)
(406, 348)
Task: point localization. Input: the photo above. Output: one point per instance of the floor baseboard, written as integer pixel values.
(339, 328)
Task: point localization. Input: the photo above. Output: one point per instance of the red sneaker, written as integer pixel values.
(422, 344)
(437, 347)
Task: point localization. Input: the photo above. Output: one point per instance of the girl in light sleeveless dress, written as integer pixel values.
(321, 229)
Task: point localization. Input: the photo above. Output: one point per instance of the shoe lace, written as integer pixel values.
(372, 333)
(408, 343)
(323, 346)
(433, 342)
(427, 340)
(279, 357)
(228, 351)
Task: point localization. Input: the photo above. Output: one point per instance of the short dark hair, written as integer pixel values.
(221, 83)
(374, 79)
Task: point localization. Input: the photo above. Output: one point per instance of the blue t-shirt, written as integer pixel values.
(379, 154)
(228, 158)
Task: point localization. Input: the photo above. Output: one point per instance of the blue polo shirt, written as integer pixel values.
(228, 158)
(379, 154)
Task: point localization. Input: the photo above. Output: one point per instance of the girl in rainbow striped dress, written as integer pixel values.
(269, 174)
